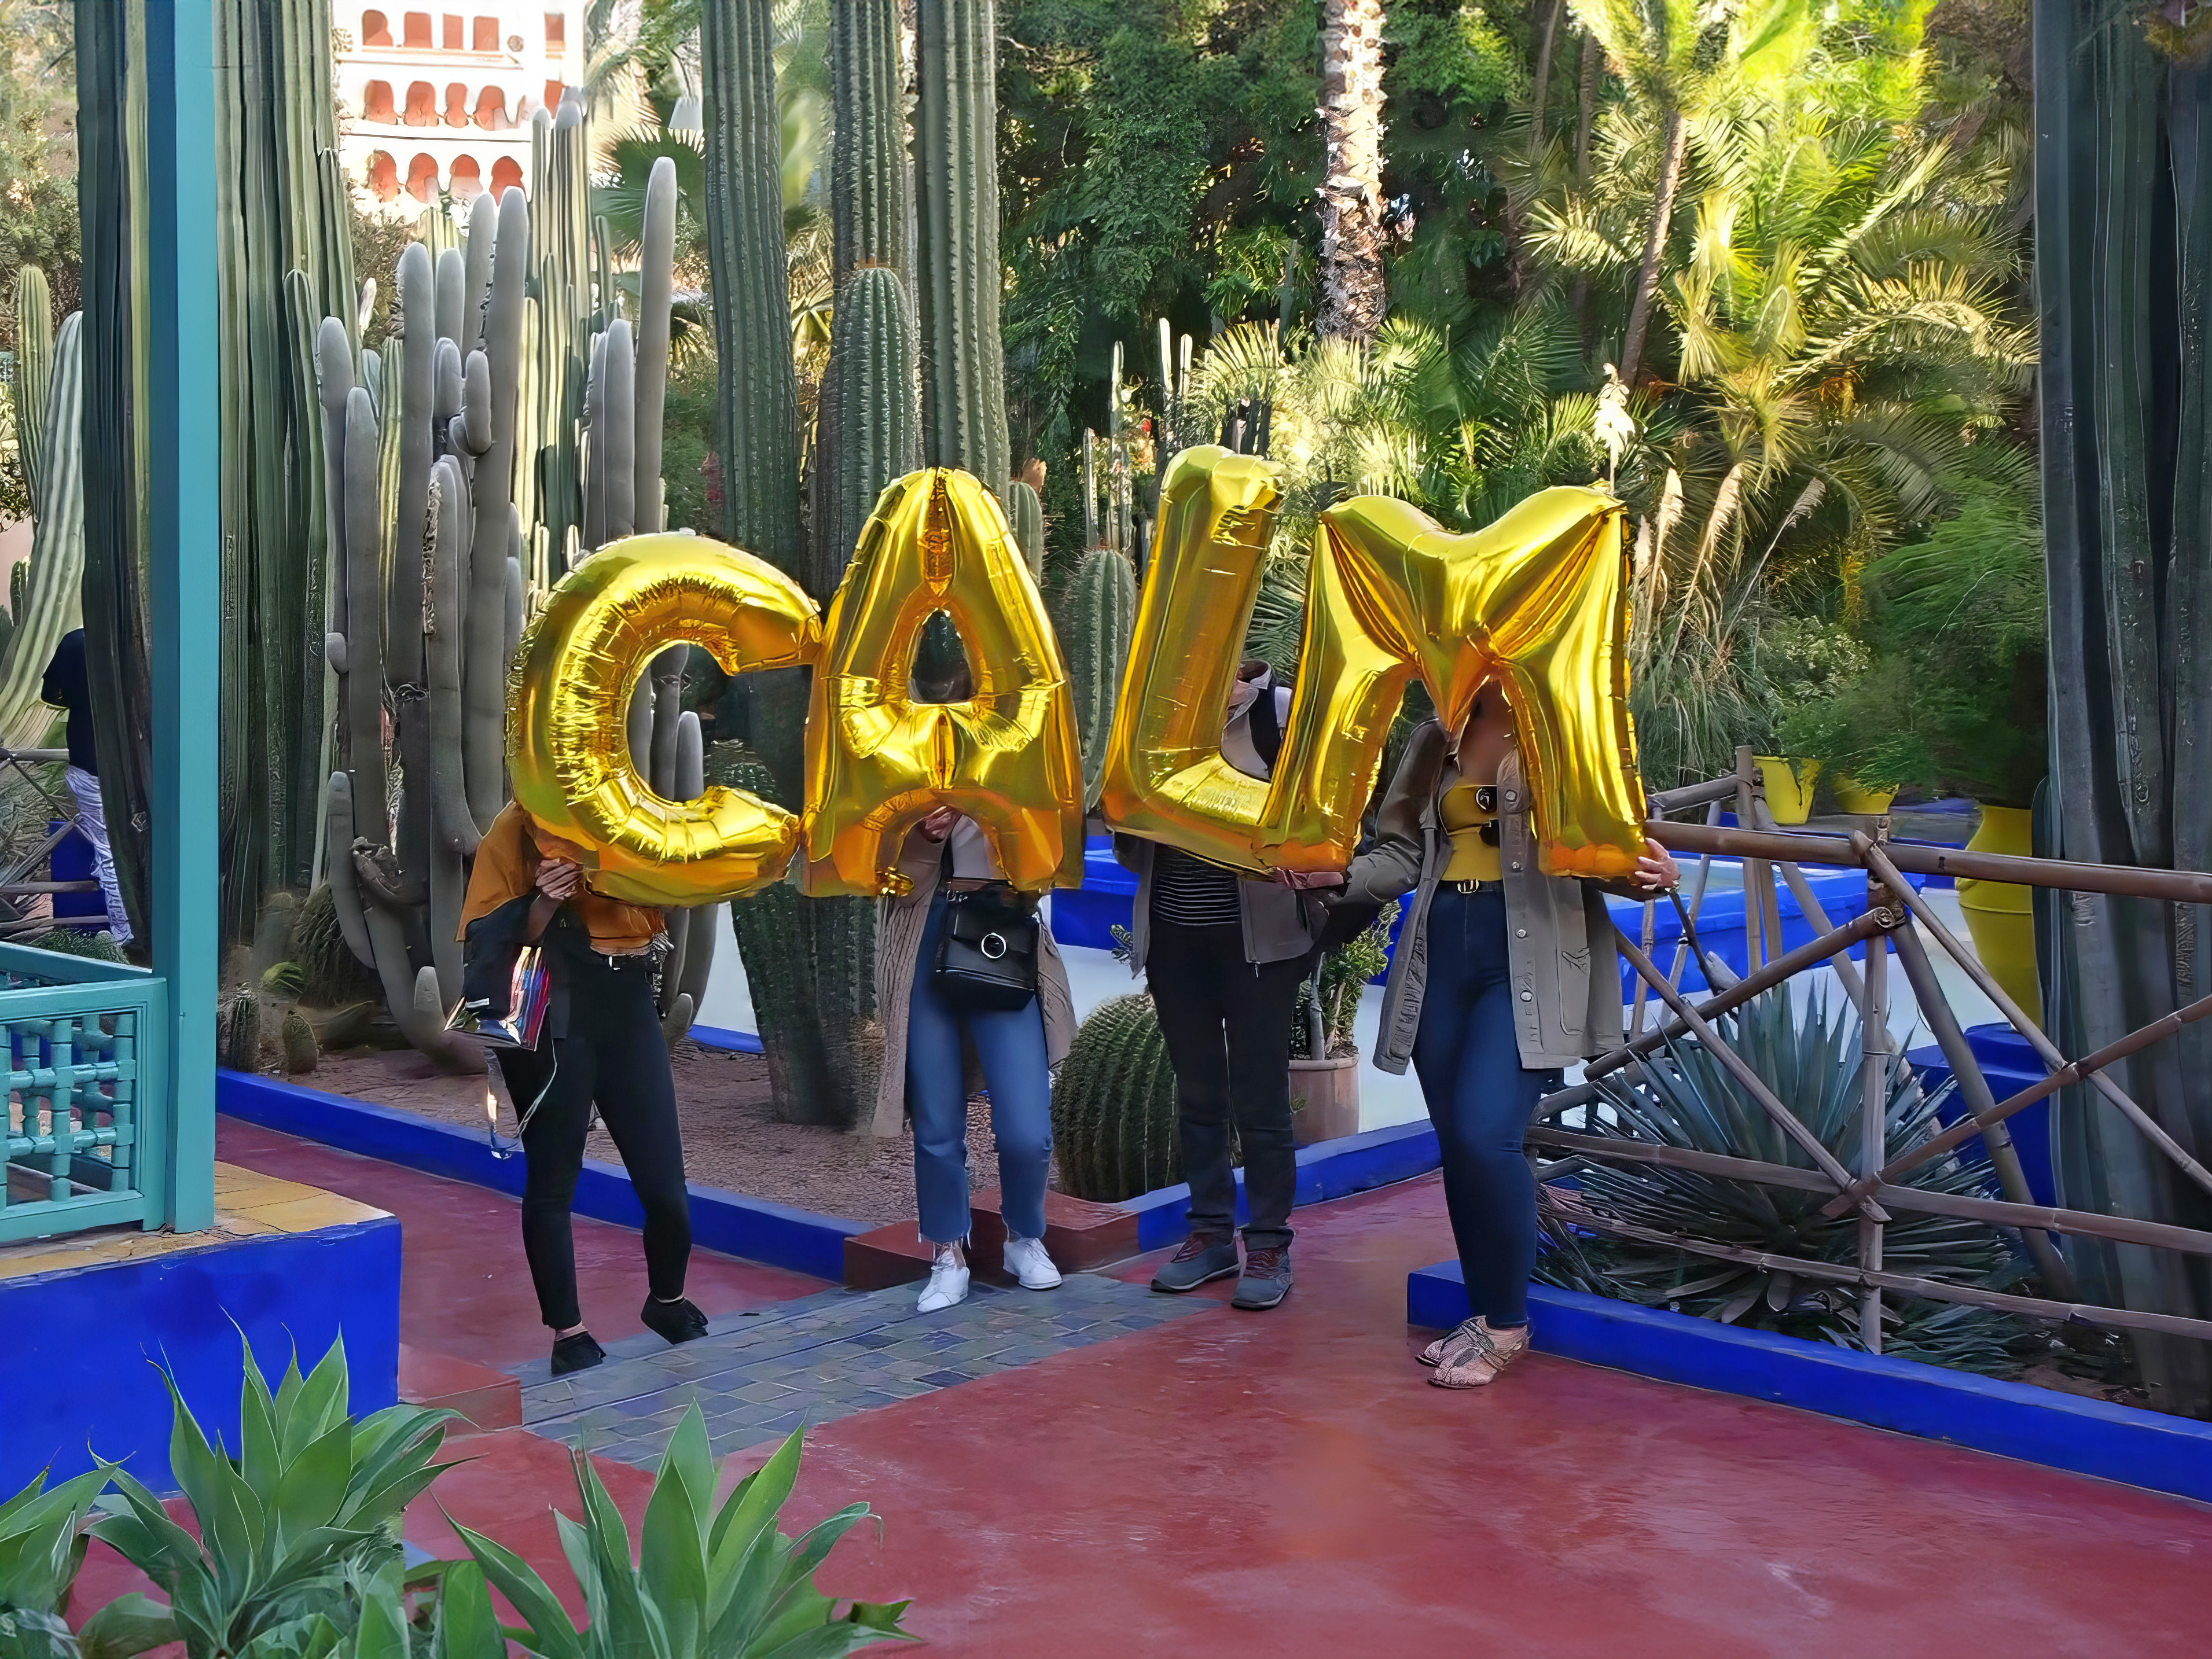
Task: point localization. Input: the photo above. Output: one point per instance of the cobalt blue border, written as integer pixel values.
(752, 1229)
(2013, 1419)
(721, 1036)
(1327, 1169)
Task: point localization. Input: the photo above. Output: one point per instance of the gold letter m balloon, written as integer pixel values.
(1536, 599)
(567, 733)
(877, 761)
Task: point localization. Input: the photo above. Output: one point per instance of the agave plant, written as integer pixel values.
(706, 1583)
(289, 1530)
(42, 1544)
(1809, 1056)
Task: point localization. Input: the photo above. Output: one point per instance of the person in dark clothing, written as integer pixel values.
(1224, 956)
(65, 686)
(602, 1046)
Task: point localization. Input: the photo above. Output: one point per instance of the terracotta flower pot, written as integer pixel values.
(1324, 1099)
(2000, 915)
(1789, 786)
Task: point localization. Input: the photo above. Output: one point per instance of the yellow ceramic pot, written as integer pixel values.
(1869, 803)
(1789, 786)
(2000, 915)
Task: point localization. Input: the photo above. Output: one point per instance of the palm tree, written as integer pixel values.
(1353, 295)
(1677, 58)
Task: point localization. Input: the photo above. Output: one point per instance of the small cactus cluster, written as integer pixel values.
(1114, 1105)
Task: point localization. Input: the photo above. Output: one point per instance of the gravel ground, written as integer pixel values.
(731, 1138)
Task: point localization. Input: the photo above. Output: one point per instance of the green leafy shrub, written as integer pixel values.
(1345, 972)
(706, 1582)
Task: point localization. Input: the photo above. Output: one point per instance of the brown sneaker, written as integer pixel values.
(1476, 1362)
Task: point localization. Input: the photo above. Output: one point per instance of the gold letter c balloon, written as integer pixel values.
(569, 701)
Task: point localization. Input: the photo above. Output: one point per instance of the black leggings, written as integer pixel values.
(1227, 1024)
(614, 1054)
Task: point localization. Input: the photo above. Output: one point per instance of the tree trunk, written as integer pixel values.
(1676, 138)
(1353, 295)
(2123, 281)
(1586, 109)
(1542, 79)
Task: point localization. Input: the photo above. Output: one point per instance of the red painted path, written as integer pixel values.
(1288, 1485)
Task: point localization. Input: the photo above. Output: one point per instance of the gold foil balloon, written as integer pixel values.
(877, 761)
(1536, 599)
(1164, 778)
(568, 715)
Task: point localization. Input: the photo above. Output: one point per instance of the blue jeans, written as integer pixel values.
(1481, 1098)
(1011, 1049)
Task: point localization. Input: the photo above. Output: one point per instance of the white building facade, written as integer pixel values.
(434, 101)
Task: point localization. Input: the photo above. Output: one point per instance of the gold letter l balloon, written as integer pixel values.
(567, 739)
(877, 761)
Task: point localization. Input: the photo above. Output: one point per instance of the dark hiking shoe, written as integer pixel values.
(1267, 1279)
(579, 1353)
(679, 1321)
(1204, 1258)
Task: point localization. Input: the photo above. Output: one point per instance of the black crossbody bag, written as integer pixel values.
(987, 949)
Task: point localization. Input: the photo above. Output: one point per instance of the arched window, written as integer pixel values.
(464, 179)
(506, 175)
(375, 31)
(415, 31)
(556, 32)
(457, 105)
(423, 179)
(485, 35)
(491, 110)
(452, 33)
(376, 104)
(552, 97)
(383, 176)
(422, 106)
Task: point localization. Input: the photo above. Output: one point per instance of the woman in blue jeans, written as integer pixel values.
(928, 1044)
(1502, 976)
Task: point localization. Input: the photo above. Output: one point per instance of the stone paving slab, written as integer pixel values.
(757, 1376)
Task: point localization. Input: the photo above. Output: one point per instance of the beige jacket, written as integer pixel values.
(1566, 972)
(899, 929)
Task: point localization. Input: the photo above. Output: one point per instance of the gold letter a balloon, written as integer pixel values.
(877, 761)
(567, 733)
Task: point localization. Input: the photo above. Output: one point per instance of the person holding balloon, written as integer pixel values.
(1502, 976)
(932, 1024)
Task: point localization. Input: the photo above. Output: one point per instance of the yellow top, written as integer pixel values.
(1472, 859)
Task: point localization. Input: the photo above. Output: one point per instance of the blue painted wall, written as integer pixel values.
(75, 1377)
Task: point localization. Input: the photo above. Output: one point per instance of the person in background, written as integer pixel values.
(65, 687)
(602, 1046)
(1502, 977)
(1223, 955)
(927, 1039)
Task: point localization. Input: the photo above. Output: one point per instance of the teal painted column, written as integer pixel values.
(186, 575)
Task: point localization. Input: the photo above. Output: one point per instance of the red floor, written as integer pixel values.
(465, 1289)
(1286, 1484)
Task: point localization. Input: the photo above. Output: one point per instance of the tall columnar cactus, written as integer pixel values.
(1113, 1106)
(47, 606)
(872, 197)
(655, 293)
(870, 433)
(1027, 513)
(955, 153)
(284, 261)
(1102, 614)
(35, 369)
(559, 322)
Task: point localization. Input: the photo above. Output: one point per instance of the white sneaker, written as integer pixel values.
(1027, 1262)
(948, 1281)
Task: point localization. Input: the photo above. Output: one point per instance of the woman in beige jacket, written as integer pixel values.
(1501, 976)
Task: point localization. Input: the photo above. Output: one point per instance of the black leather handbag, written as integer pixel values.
(987, 951)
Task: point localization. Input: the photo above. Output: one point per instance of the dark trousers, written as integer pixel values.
(615, 1055)
(1481, 1098)
(1227, 1023)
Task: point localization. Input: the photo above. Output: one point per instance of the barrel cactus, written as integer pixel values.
(1114, 1105)
(1101, 613)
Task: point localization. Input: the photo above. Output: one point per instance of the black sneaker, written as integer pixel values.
(1204, 1258)
(579, 1353)
(1266, 1281)
(679, 1321)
